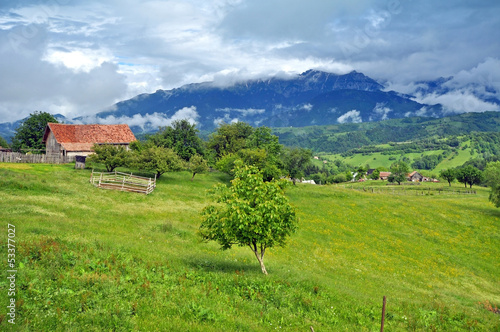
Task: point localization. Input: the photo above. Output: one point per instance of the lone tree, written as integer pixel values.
(250, 213)
(492, 178)
(448, 174)
(29, 134)
(399, 172)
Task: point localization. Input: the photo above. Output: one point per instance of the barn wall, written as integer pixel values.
(52, 148)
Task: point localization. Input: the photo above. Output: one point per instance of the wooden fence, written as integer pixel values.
(123, 182)
(17, 157)
(415, 191)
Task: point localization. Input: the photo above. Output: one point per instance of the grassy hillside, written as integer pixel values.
(378, 159)
(93, 260)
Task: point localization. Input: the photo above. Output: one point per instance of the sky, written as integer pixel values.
(77, 58)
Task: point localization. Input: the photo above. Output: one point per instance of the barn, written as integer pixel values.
(69, 140)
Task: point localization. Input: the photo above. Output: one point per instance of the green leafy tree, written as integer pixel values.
(182, 137)
(360, 172)
(492, 179)
(197, 165)
(448, 174)
(159, 160)
(256, 157)
(3, 143)
(399, 172)
(295, 160)
(375, 175)
(262, 138)
(111, 156)
(469, 175)
(29, 134)
(229, 138)
(338, 178)
(250, 213)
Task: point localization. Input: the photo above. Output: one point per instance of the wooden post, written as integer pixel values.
(383, 316)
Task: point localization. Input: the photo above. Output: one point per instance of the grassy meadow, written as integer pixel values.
(97, 260)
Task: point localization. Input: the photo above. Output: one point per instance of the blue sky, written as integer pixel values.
(80, 57)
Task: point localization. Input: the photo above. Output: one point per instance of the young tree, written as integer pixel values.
(29, 134)
(250, 213)
(197, 165)
(492, 178)
(295, 160)
(469, 175)
(399, 172)
(448, 174)
(111, 156)
(159, 160)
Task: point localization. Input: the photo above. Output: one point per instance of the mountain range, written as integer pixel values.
(311, 98)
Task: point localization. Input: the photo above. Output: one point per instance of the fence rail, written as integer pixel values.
(123, 182)
(17, 157)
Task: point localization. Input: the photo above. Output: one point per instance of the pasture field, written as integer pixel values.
(89, 259)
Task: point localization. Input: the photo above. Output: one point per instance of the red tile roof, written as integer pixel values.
(83, 137)
(384, 174)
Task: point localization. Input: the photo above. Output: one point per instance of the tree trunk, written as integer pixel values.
(193, 176)
(261, 262)
(260, 257)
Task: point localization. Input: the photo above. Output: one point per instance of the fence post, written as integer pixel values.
(383, 316)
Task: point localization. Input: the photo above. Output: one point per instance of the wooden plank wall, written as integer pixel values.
(16, 157)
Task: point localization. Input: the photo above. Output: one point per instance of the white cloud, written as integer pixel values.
(77, 59)
(380, 112)
(243, 112)
(307, 107)
(351, 116)
(147, 121)
(458, 102)
(225, 119)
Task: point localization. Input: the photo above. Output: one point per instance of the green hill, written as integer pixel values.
(432, 144)
(346, 137)
(94, 260)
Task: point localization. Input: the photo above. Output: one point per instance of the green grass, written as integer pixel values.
(93, 260)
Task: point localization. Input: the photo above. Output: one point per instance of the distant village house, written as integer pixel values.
(384, 175)
(415, 177)
(77, 140)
